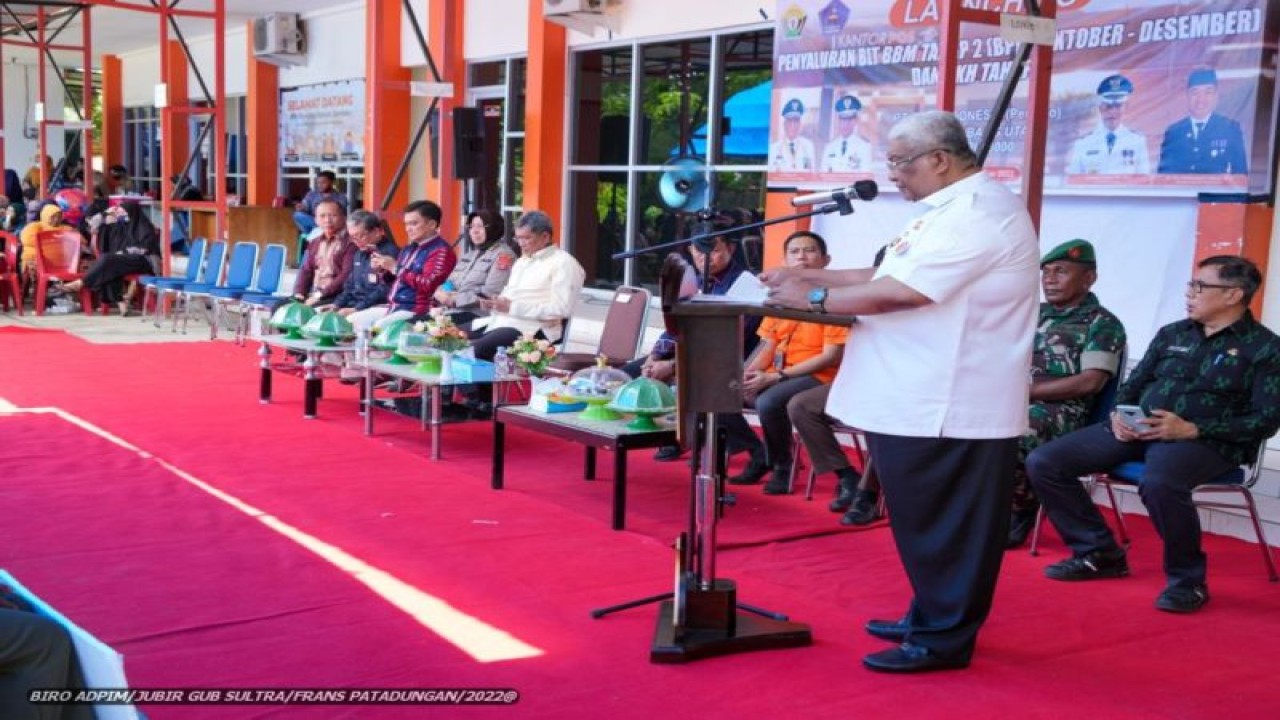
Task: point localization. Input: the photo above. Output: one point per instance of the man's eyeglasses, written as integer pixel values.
(903, 162)
(1195, 287)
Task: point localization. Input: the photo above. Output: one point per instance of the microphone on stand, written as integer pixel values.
(865, 190)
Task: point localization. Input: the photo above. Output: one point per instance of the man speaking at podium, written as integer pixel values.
(936, 373)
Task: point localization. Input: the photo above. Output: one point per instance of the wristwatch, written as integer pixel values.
(782, 375)
(818, 300)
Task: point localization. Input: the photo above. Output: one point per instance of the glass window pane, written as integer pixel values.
(488, 73)
(674, 96)
(513, 192)
(742, 195)
(599, 225)
(519, 72)
(656, 223)
(744, 114)
(602, 107)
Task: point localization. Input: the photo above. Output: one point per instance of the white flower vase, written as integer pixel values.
(446, 367)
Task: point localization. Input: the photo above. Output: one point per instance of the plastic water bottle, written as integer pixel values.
(362, 346)
(502, 363)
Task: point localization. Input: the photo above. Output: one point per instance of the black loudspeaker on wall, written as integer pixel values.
(468, 143)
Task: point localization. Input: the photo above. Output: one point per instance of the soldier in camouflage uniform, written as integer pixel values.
(1209, 390)
(1078, 347)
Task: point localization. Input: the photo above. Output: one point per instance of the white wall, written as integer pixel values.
(21, 92)
(335, 47)
(19, 103)
(411, 55)
(236, 75)
(657, 18)
(140, 72)
(495, 28)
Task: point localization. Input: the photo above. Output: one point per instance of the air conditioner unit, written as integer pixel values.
(278, 38)
(583, 15)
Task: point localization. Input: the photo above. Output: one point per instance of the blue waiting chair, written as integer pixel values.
(239, 275)
(269, 276)
(196, 261)
(1238, 480)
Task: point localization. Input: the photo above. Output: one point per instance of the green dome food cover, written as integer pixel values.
(388, 338)
(328, 328)
(644, 394)
(291, 317)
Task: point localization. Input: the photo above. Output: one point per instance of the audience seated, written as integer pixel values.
(129, 245)
(538, 298)
(722, 256)
(483, 269)
(365, 287)
(50, 218)
(1220, 370)
(327, 262)
(304, 212)
(792, 357)
(1077, 351)
(415, 274)
(35, 654)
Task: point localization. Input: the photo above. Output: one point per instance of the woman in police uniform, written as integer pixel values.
(482, 270)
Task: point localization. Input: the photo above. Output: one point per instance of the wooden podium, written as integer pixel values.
(703, 617)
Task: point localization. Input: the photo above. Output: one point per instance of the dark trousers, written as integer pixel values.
(485, 345)
(1172, 470)
(771, 408)
(36, 653)
(105, 275)
(948, 503)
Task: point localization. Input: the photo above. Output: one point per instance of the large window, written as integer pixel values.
(660, 131)
(142, 148)
(497, 89)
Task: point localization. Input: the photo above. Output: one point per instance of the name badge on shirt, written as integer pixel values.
(1179, 350)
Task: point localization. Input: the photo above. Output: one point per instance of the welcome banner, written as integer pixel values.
(1148, 97)
(323, 125)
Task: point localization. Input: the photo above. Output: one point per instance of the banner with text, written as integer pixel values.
(323, 125)
(1147, 97)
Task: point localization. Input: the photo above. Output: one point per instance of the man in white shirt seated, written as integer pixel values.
(539, 296)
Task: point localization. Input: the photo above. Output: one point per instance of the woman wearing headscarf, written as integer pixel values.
(50, 218)
(130, 246)
(15, 210)
(483, 269)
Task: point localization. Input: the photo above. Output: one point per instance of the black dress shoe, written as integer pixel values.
(911, 658)
(1177, 599)
(891, 630)
(1095, 565)
(753, 473)
(780, 483)
(668, 453)
(865, 510)
(848, 490)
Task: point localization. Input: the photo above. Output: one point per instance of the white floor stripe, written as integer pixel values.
(483, 642)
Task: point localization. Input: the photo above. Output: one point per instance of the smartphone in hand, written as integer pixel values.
(1130, 415)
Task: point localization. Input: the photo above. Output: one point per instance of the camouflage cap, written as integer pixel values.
(1076, 251)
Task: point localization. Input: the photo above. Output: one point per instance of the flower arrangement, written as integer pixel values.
(531, 354)
(442, 334)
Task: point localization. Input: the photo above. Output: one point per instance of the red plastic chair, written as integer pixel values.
(58, 258)
(10, 273)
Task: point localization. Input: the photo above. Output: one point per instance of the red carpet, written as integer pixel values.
(197, 593)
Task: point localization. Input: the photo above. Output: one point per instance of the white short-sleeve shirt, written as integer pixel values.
(959, 366)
